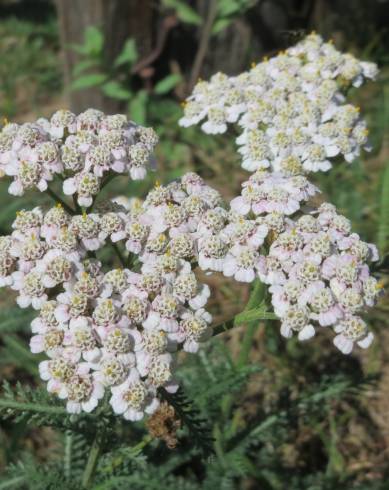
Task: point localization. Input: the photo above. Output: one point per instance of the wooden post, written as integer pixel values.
(118, 20)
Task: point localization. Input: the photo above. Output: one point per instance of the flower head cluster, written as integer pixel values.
(83, 149)
(318, 276)
(109, 329)
(293, 119)
(113, 330)
(290, 109)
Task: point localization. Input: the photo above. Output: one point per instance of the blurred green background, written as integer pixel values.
(323, 418)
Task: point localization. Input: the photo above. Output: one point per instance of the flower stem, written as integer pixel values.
(256, 298)
(119, 254)
(93, 458)
(57, 199)
(135, 450)
(68, 454)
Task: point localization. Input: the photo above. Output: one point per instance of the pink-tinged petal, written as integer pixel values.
(83, 368)
(172, 386)
(37, 344)
(44, 371)
(240, 205)
(61, 313)
(118, 235)
(343, 344)
(191, 346)
(229, 266)
(16, 188)
(168, 324)
(69, 186)
(56, 131)
(23, 301)
(92, 243)
(138, 173)
(119, 406)
(245, 275)
(286, 331)
(92, 355)
(152, 407)
(90, 405)
(54, 386)
(37, 303)
(133, 415)
(85, 201)
(73, 407)
(306, 333)
(152, 320)
(366, 342)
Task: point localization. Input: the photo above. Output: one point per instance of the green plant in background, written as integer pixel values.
(223, 12)
(29, 70)
(117, 79)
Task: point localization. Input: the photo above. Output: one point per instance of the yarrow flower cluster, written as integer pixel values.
(294, 119)
(83, 149)
(113, 330)
(116, 329)
(318, 276)
(290, 109)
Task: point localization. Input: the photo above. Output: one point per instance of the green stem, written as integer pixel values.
(93, 458)
(119, 254)
(12, 483)
(106, 180)
(256, 298)
(32, 407)
(67, 464)
(57, 199)
(141, 445)
(76, 205)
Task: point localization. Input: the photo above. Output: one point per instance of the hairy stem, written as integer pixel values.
(119, 254)
(32, 407)
(141, 445)
(57, 199)
(67, 464)
(76, 205)
(13, 482)
(91, 464)
(256, 298)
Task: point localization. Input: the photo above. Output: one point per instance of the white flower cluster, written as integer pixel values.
(117, 330)
(318, 276)
(293, 119)
(290, 109)
(113, 330)
(83, 149)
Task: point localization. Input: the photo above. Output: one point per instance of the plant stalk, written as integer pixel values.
(57, 199)
(119, 254)
(91, 464)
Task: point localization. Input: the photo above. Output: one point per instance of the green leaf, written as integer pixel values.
(167, 84)
(88, 81)
(184, 12)
(220, 25)
(116, 90)
(128, 54)
(82, 66)
(94, 40)
(253, 315)
(20, 354)
(137, 107)
(228, 7)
